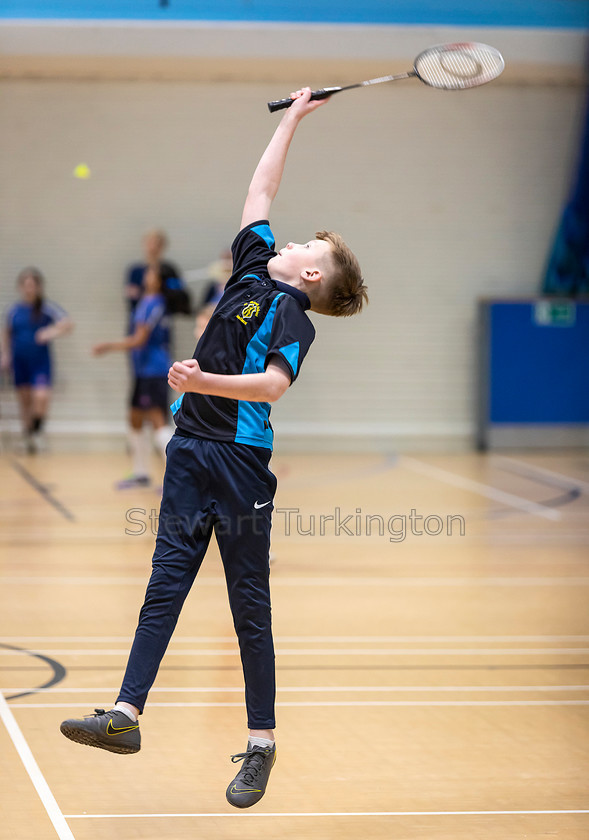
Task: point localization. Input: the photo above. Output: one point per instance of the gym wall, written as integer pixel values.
(445, 197)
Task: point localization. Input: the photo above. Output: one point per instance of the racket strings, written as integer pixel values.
(458, 66)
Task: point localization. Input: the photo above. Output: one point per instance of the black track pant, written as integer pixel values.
(226, 488)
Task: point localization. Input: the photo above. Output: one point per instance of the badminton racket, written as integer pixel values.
(446, 66)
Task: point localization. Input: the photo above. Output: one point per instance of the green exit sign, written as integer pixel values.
(551, 313)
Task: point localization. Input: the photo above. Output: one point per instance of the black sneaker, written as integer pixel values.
(249, 786)
(112, 731)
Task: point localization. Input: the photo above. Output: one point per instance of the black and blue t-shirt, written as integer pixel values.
(256, 319)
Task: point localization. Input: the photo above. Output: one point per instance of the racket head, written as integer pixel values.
(458, 66)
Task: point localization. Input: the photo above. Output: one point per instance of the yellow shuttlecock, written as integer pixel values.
(82, 171)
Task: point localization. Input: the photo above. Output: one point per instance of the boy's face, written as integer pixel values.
(297, 259)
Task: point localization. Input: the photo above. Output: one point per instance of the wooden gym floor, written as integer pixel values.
(431, 686)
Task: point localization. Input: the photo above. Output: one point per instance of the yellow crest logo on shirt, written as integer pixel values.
(250, 310)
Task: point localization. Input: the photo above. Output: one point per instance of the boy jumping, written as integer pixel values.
(217, 476)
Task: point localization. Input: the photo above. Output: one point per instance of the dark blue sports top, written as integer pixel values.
(257, 318)
(22, 323)
(153, 358)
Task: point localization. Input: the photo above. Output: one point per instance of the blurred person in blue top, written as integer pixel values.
(155, 243)
(149, 347)
(31, 325)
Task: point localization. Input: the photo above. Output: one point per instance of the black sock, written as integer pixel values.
(37, 424)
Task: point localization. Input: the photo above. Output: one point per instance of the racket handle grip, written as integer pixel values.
(279, 104)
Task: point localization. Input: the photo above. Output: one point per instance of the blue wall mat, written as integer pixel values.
(539, 362)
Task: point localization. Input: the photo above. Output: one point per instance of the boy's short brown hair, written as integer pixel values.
(345, 292)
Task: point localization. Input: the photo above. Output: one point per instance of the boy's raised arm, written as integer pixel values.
(266, 180)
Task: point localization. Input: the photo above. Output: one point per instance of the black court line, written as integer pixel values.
(557, 501)
(42, 490)
(565, 499)
(572, 492)
(59, 672)
(571, 488)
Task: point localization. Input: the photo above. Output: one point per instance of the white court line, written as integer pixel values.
(316, 689)
(480, 489)
(330, 703)
(35, 775)
(291, 814)
(320, 652)
(306, 639)
(473, 581)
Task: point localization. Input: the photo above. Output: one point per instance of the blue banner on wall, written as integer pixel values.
(568, 267)
(573, 14)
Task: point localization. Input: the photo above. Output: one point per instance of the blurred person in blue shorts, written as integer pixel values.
(32, 323)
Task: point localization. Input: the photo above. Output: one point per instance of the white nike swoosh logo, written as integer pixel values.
(258, 506)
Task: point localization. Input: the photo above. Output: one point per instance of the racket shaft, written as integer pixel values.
(386, 79)
(323, 93)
